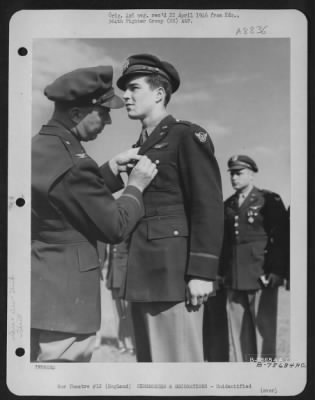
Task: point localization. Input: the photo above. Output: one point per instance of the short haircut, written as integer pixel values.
(156, 80)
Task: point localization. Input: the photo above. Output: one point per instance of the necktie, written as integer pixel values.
(143, 136)
(241, 199)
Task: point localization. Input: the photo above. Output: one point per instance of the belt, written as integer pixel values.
(177, 209)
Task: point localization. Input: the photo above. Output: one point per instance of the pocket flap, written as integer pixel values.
(170, 226)
(87, 257)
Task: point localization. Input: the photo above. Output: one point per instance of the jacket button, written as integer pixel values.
(236, 232)
(236, 217)
(176, 233)
(157, 161)
(236, 224)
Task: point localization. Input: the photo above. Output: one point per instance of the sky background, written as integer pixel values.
(237, 89)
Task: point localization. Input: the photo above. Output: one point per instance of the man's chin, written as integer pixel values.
(132, 116)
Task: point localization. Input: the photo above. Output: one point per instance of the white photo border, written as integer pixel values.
(25, 378)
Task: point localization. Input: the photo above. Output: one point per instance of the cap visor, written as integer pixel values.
(114, 102)
(237, 168)
(123, 80)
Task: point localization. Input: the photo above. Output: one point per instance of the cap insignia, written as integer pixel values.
(234, 158)
(125, 66)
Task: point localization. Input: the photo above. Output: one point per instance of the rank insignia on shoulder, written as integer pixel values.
(201, 136)
(81, 155)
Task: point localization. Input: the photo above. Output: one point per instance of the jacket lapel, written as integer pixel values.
(159, 133)
(233, 203)
(250, 198)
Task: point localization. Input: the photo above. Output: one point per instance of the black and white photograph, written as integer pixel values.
(162, 176)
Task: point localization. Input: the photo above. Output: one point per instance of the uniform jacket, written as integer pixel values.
(72, 208)
(255, 239)
(181, 233)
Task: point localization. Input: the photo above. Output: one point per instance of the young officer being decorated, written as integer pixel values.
(254, 261)
(174, 251)
(73, 208)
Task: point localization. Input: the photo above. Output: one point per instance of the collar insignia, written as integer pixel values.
(81, 155)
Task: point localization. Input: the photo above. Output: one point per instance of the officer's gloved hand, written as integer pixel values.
(143, 173)
(274, 280)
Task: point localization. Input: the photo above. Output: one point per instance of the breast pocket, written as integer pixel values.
(165, 161)
(87, 257)
(167, 227)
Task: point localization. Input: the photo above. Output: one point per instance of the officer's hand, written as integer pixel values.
(274, 280)
(124, 161)
(198, 291)
(143, 173)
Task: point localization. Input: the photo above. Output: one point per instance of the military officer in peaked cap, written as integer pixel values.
(174, 251)
(73, 208)
(253, 262)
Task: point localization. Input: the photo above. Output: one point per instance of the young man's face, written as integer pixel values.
(241, 178)
(93, 122)
(140, 99)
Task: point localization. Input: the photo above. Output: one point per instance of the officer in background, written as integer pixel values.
(253, 262)
(174, 250)
(73, 208)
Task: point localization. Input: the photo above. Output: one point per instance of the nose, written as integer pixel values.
(107, 119)
(126, 95)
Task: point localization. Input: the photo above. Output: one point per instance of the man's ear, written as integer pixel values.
(75, 114)
(160, 94)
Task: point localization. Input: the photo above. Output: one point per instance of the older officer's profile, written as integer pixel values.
(72, 209)
(254, 261)
(174, 250)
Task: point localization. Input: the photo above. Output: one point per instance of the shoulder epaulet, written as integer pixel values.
(271, 195)
(73, 148)
(180, 121)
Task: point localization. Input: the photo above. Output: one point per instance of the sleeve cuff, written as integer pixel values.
(134, 193)
(113, 182)
(203, 265)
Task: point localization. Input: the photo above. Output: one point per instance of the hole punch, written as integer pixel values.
(22, 51)
(20, 352)
(20, 202)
